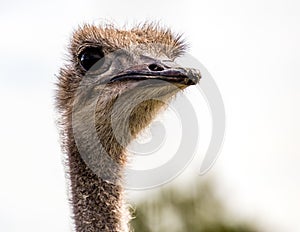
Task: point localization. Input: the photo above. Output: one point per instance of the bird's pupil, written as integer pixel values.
(90, 56)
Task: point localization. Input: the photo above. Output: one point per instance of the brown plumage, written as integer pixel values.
(120, 95)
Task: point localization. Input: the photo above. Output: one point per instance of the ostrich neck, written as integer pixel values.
(97, 159)
(97, 205)
(95, 166)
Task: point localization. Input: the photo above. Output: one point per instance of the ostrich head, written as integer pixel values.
(124, 78)
(115, 84)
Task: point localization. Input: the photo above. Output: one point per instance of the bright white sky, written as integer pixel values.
(252, 50)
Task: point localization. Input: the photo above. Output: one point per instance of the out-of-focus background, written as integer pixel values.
(252, 50)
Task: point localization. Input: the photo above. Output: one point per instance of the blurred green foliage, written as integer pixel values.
(193, 209)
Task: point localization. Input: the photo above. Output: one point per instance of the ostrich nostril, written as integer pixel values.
(155, 67)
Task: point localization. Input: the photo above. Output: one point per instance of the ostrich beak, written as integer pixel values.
(159, 71)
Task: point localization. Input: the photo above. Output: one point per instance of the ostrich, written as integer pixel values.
(108, 64)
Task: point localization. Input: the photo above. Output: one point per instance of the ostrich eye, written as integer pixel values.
(90, 56)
